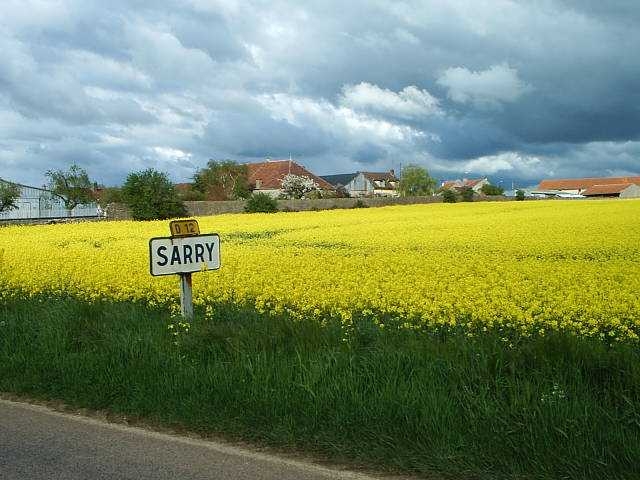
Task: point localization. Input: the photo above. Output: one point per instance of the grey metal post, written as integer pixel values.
(186, 296)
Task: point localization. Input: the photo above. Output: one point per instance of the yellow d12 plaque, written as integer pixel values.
(184, 228)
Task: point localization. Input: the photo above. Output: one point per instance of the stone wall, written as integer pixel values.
(117, 211)
(205, 208)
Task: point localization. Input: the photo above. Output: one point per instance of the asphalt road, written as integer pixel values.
(39, 443)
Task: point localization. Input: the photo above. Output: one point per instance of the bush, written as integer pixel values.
(520, 195)
(151, 196)
(491, 190)
(466, 194)
(360, 204)
(261, 203)
(449, 196)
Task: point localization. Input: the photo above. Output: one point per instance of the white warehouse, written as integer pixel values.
(39, 203)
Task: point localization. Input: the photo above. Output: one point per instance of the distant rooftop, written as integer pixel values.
(583, 183)
(340, 179)
(270, 174)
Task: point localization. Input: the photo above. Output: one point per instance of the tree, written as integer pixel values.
(222, 180)
(489, 189)
(9, 194)
(415, 181)
(297, 186)
(73, 186)
(261, 202)
(107, 195)
(519, 195)
(466, 194)
(449, 196)
(150, 195)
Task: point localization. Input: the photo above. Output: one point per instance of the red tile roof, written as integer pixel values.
(271, 173)
(582, 183)
(610, 189)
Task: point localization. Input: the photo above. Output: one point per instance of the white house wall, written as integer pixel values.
(359, 186)
(478, 186)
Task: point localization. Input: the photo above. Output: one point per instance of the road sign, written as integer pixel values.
(171, 255)
(182, 228)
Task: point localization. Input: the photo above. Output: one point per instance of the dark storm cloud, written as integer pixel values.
(512, 89)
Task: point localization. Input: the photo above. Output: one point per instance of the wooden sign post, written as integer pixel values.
(184, 252)
(186, 296)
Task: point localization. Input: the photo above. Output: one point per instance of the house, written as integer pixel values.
(475, 184)
(366, 184)
(577, 186)
(266, 177)
(615, 190)
(39, 203)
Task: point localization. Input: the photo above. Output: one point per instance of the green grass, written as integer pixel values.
(554, 407)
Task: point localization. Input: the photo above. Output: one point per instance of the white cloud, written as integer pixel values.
(525, 165)
(497, 84)
(410, 102)
(171, 153)
(340, 121)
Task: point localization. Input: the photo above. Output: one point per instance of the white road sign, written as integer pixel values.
(170, 255)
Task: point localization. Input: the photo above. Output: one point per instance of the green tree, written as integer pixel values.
(222, 180)
(449, 196)
(466, 194)
(107, 195)
(519, 195)
(416, 181)
(9, 194)
(491, 190)
(72, 185)
(150, 195)
(261, 202)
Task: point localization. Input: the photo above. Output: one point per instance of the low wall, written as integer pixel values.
(48, 221)
(204, 208)
(117, 211)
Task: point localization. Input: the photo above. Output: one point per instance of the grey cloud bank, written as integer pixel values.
(511, 89)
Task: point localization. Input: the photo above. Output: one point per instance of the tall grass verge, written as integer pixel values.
(467, 407)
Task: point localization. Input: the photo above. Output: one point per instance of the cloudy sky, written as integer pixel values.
(514, 90)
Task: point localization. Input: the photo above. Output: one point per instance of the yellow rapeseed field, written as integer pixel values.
(532, 267)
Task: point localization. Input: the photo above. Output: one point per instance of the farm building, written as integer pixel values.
(619, 190)
(578, 186)
(39, 203)
(266, 177)
(366, 184)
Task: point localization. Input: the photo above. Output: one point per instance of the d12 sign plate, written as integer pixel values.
(181, 228)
